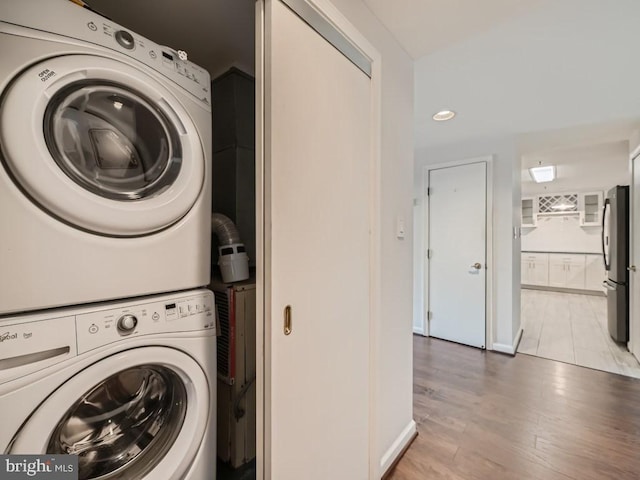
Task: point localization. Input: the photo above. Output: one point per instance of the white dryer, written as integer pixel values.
(128, 387)
(105, 147)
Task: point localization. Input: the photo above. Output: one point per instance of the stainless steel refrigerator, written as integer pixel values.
(615, 250)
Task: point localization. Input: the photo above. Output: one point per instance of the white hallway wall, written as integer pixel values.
(394, 408)
(572, 58)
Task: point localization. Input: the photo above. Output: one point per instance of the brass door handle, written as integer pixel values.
(477, 266)
(287, 320)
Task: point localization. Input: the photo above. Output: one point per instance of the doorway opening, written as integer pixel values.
(575, 309)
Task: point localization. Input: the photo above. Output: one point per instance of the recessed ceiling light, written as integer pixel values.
(444, 115)
(543, 174)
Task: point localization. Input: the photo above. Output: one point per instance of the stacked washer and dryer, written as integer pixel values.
(107, 341)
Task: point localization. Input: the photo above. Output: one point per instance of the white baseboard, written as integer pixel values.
(509, 349)
(418, 331)
(398, 447)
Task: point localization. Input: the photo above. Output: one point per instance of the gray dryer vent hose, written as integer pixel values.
(225, 229)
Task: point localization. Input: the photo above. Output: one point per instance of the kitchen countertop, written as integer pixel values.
(562, 253)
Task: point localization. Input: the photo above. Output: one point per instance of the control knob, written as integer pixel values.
(125, 39)
(126, 324)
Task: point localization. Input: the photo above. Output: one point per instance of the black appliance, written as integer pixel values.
(615, 250)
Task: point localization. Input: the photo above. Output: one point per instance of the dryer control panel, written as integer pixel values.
(71, 21)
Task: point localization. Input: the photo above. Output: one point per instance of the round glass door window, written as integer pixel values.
(123, 427)
(112, 141)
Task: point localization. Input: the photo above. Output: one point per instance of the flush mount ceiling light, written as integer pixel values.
(444, 115)
(543, 174)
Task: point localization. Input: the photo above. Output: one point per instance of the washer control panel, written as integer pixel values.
(32, 341)
(172, 314)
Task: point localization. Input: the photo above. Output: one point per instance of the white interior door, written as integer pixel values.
(317, 254)
(457, 251)
(634, 255)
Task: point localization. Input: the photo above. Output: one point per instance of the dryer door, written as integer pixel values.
(137, 414)
(101, 145)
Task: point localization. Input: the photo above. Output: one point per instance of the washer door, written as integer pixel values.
(101, 145)
(138, 414)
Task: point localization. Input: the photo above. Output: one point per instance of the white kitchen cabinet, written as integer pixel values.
(567, 270)
(529, 210)
(535, 269)
(590, 203)
(594, 272)
(557, 273)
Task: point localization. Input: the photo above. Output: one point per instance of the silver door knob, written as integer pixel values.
(632, 268)
(477, 266)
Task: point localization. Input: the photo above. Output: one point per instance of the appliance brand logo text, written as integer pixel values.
(8, 336)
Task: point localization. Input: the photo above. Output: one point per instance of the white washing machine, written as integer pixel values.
(105, 147)
(129, 387)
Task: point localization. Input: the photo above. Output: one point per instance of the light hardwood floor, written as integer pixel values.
(572, 328)
(487, 416)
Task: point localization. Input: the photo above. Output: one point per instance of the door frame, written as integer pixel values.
(634, 252)
(336, 20)
(489, 234)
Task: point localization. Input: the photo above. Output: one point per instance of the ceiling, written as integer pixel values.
(593, 167)
(424, 26)
(542, 71)
(562, 93)
(587, 158)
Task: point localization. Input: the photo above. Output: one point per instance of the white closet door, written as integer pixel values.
(317, 254)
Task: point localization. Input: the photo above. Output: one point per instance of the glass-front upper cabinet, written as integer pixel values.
(591, 204)
(528, 212)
